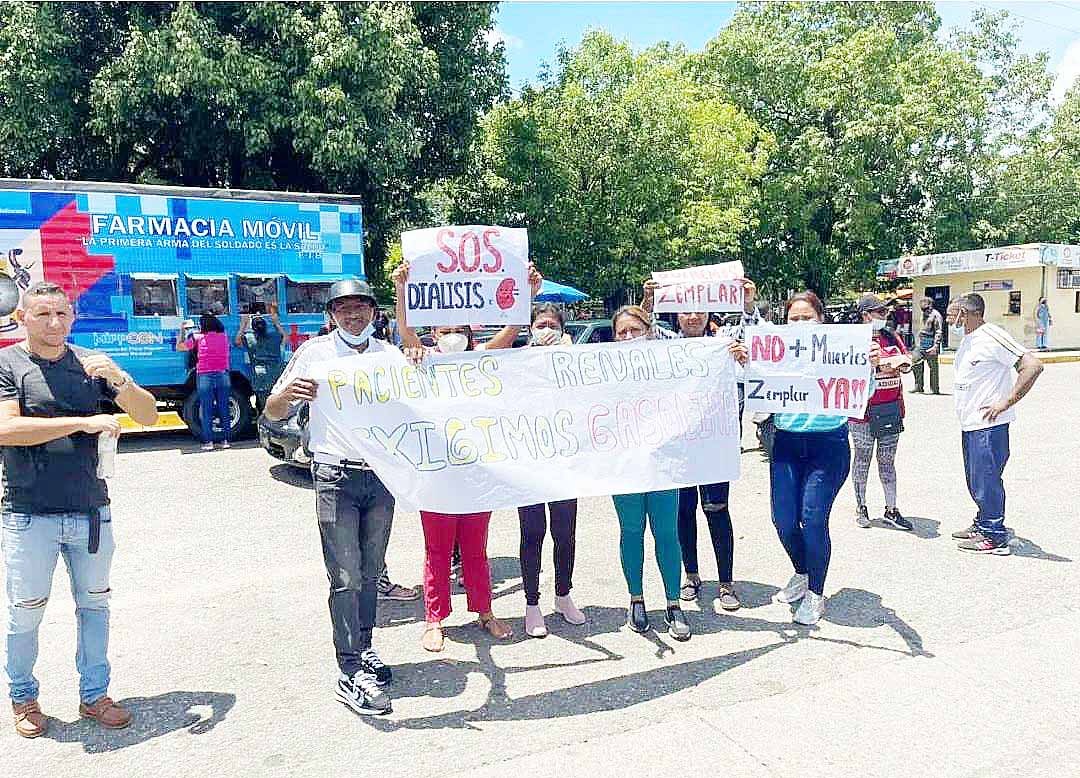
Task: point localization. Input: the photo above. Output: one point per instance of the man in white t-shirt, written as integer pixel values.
(986, 390)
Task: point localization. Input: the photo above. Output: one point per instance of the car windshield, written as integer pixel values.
(573, 329)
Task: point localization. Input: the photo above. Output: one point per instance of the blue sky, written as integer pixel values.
(531, 31)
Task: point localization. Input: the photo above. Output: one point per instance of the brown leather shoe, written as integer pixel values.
(106, 713)
(29, 720)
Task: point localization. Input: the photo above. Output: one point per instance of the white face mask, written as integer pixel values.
(453, 342)
(356, 340)
(545, 336)
(878, 324)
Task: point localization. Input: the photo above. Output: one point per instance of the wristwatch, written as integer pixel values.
(124, 381)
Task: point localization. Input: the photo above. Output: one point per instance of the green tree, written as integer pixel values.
(887, 138)
(1037, 192)
(618, 166)
(366, 98)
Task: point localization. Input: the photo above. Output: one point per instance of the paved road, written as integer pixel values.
(928, 662)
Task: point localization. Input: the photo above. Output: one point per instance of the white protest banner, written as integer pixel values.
(483, 430)
(467, 275)
(701, 288)
(809, 368)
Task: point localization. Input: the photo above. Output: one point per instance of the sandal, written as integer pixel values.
(433, 644)
(689, 591)
(496, 628)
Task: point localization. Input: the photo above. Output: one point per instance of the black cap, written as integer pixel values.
(869, 303)
(350, 287)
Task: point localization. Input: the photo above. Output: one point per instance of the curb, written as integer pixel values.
(1047, 358)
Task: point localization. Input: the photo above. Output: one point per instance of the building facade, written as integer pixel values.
(1011, 279)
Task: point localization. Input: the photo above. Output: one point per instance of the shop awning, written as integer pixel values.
(153, 276)
(207, 276)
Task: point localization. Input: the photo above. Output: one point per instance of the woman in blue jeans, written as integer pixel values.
(811, 459)
(212, 378)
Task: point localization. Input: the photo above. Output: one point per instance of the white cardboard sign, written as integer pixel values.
(467, 275)
(702, 288)
(821, 369)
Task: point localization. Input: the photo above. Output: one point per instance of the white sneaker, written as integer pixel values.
(534, 622)
(225, 444)
(811, 610)
(569, 611)
(794, 590)
(207, 446)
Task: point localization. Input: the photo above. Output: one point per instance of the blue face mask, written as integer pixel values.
(356, 340)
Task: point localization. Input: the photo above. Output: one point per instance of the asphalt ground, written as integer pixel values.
(928, 661)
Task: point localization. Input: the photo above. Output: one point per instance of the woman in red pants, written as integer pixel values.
(441, 530)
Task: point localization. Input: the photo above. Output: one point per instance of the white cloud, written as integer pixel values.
(497, 35)
(1068, 70)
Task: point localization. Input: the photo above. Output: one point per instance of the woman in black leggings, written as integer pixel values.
(547, 330)
(714, 504)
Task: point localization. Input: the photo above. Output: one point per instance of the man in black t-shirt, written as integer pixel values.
(51, 397)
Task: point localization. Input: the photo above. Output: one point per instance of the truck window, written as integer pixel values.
(305, 297)
(207, 295)
(154, 296)
(255, 294)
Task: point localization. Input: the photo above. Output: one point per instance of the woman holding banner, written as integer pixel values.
(660, 508)
(810, 462)
(442, 530)
(547, 330)
(714, 497)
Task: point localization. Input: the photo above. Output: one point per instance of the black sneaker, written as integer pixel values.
(892, 516)
(636, 617)
(678, 626)
(966, 534)
(373, 666)
(362, 694)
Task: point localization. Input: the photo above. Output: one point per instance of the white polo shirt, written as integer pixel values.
(323, 348)
(984, 375)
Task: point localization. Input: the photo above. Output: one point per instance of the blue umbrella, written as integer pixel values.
(551, 292)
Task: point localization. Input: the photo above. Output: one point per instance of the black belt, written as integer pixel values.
(348, 464)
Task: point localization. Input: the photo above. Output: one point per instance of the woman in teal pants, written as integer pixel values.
(661, 508)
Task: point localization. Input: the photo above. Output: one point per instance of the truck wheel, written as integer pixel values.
(241, 414)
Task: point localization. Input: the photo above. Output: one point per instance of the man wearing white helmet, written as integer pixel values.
(354, 509)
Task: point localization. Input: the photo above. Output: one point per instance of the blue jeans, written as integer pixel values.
(807, 471)
(214, 392)
(31, 544)
(985, 454)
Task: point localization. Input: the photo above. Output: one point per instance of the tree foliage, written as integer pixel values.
(618, 165)
(887, 137)
(367, 98)
(810, 140)
(842, 134)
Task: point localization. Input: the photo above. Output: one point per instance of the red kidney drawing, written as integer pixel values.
(505, 293)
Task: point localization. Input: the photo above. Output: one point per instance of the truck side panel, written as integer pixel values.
(138, 264)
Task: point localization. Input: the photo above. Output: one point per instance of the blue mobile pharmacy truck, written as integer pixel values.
(139, 260)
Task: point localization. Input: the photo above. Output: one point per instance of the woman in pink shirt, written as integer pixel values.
(212, 371)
